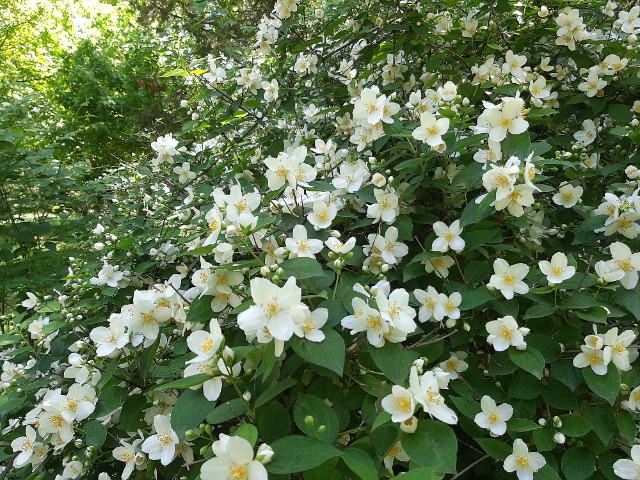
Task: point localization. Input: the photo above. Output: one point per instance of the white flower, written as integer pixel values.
(396, 310)
(426, 392)
(538, 88)
(513, 64)
(368, 110)
(233, 461)
(302, 246)
(620, 355)
(448, 237)
(634, 399)
(337, 246)
(431, 129)
(508, 278)
(567, 195)
(110, 339)
(450, 304)
(626, 261)
(500, 179)
(430, 304)
(322, 214)
(588, 134)
(30, 302)
(490, 156)
(504, 333)
(629, 469)
(597, 359)
(127, 453)
(455, 365)
(395, 452)
(592, 84)
(520, 197)
(74, 406)
(24, 445)
(557, 271)
(205, 344)
(275, 308)
(387, 246)
(440, 265)
(608, 273)
(309, 326)
(493, 417)
(386, 207)
(366, 318)
(270, 90)
(162, 445)
(399, 404)
(523, 462)
(497, 121)
(184, 172)
(630, 20)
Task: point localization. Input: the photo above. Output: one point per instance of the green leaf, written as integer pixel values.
(595, 315)
(308, 272)
(547, 473)
(475, 298)
(522, 425)
(538, 311)
(274, 422)
(275, 390)
(297, 453)
(606, 386)
(525, 387)
(393, 360)
(601, 420)
(226, 411)
(421, 473)
(478, 238)
(200, 310)
(322, 414)
(132, 415)
(630, 299)
(559, 396)
(248, 432)
(626, 426)
(574, 425)
(467, 407)
(360, 463)
(189, 411)
(497, 449)
(110, 399)
(580, 300)
(106, 376)
(433, 444)
(330, 353)
(95, 434)
(578, 463)
(530, 360)
(517, 145)
(185, 382)
(546, 345)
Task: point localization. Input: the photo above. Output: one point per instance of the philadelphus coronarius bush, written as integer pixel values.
(395, 237)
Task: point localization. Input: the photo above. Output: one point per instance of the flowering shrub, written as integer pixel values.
(397, 237)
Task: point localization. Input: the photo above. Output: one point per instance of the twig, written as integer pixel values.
(469, 467)
(433, 340)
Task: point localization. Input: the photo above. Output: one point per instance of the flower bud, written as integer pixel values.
(557, 422)
(559, 438)
(409, 425)
(322, 428)
(542, 422)
(191, 434)
(522, 346)
(264, 454)
(309, 421)
(264, 271)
